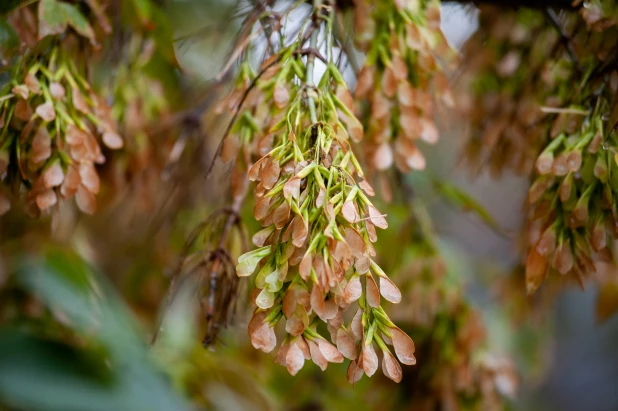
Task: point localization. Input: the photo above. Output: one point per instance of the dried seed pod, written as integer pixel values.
(112, 140)
(355, 371)
(389, 290)
(294, 359)
(353, 290)
(57, 91)
(346, 344)
(46, 111)
(369, 360)
(329, 351)
(263, 338)
(85, 200)
(317, 357)
(46, 199)
(373, 294)
(53, 176)
(390, 367)
(536, 270)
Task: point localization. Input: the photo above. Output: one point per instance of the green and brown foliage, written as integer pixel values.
(99, 104)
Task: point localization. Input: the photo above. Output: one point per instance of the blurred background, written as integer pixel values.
(82, 296)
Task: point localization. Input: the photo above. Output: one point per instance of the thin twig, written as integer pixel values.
(565, 38)
(240, 104)
(238, 50)
(346, 45)
(311, 62)
(311, 51)
(236, 114)
(177, 271)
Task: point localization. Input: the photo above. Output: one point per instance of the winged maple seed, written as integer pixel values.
(55, 134)
(315, 257)
(406, 51)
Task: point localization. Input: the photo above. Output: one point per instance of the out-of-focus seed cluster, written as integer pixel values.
(573, 218)
(598, 14)
(508, 75)
(402, 79)
(141, 107)
(315, 258)
(520, 68)
(52, 124)
(260, 101)
(574, 214)
(543, 103)
(448, 331)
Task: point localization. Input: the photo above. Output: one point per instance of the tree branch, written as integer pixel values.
(537, 4)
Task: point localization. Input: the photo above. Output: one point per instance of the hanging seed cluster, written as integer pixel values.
(573, 215)
(519, 72)
(461, 370)
(52, 124)
(259, 100)
(139, 99)
(144, 114)
(315, 259)
(403, 73)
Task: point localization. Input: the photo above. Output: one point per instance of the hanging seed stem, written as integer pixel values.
(311, 63)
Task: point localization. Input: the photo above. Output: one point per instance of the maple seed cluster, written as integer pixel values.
(257, 115)
(463, 367)
(49, 117)
(401, 75)
(259, 102)
(574, 213)
(315, 255)
(573, 216)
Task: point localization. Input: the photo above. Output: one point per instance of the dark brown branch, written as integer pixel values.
(219, 258)
(308, 51)
(537, 4)
(197, 231)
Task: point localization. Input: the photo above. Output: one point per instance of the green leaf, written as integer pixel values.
(462, 200)
(77, 378)
(64, 281)
(152, 21)
(260, 278)
(55, 16)
(110, 370)
(163, 36)
(249, 261)
(8, 37)
(8, 5)
(143, 10)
